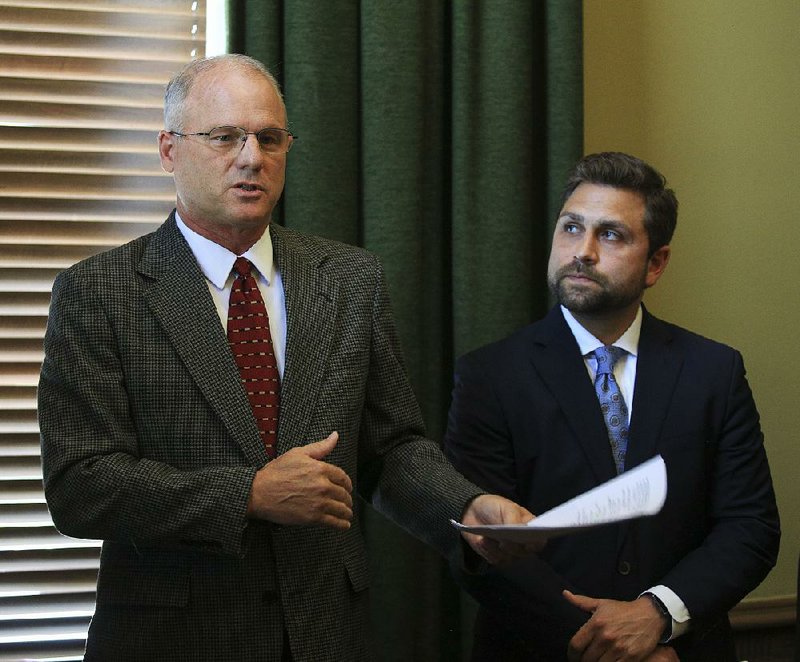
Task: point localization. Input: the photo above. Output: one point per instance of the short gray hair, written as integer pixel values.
(181, 84)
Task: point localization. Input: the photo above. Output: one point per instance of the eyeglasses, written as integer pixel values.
(223, 138)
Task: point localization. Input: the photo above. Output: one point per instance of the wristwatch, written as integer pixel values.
(662, 609)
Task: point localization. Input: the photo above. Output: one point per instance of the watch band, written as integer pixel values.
(662, 609)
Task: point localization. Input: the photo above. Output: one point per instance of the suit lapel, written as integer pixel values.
(557, 358)
(180, 300)
(311, 302)
(658, 367)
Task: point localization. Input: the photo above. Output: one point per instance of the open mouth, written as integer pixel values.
(248, 187)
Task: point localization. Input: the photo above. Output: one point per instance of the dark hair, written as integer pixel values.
(623, 171)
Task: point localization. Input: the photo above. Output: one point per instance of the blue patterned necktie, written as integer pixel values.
(612, 404)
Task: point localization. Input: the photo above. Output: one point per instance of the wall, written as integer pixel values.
(709, 93)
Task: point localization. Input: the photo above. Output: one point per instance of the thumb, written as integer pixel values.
(581, 601)
(319, 449)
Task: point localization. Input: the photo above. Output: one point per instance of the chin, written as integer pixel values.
(249, 218)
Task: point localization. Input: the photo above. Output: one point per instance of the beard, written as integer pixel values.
(592, 300)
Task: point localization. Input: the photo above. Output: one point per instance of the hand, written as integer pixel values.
(298, 487)
(663, 654)
(494, 509)
(617, 630)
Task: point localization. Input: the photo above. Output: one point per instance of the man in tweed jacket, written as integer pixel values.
(212, 552)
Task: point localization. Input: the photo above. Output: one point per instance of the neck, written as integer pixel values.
(608, 327)
(236, 239)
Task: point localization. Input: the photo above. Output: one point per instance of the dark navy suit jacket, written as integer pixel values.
(525, 423)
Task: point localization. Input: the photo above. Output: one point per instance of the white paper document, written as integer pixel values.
(635, 493)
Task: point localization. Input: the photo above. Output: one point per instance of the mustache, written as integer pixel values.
(577, 268)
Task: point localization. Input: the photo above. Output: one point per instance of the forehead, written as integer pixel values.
(236, 96)
(596, 203)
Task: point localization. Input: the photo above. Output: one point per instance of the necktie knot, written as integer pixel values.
(607, 358)
(242, 267)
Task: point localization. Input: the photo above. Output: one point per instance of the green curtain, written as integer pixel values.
(435, 134)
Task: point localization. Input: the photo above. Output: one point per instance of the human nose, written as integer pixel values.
(586, 250)
(250, 152)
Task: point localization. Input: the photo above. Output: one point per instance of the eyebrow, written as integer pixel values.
(612, 224)
(602, 222)
(600, 225)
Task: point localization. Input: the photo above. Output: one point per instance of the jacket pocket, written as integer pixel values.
(357, 566)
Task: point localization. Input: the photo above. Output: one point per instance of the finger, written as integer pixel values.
(601, 651)
(581, 601)
(478, 543)
(524, 515)
(338, 476)
(512, 513)
(601, 647)
(578, 643)
(337, 493)
(342, 523)
(320, 449)
(335, 510)
(589, 645)
(490, 550)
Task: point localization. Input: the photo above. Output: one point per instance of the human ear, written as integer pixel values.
(166, 147)
(656, 265)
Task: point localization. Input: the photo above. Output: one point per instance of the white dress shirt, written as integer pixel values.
(625, 375)
(216, 263)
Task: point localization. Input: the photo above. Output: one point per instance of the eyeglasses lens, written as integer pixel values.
(270, 140)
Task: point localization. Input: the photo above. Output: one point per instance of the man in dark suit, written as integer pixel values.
(538, 418)
(217, 467)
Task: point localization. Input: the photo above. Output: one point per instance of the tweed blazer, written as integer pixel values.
(149, 444)
(525, 423)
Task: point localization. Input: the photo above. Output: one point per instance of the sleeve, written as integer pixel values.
(673, 607)
(402, 472)
(527, 595)
(742, 543)
(96, 482)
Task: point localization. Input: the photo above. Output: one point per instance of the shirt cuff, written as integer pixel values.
(676, 608)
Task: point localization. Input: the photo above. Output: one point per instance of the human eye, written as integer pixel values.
(223, 136)
(270, 138)
(610, 235)
(570, 227)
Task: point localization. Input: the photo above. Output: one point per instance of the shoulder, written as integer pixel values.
(703, 360)
(501, 359)
(116, 264)
(657, 329)
(327, 254)
(549, 330)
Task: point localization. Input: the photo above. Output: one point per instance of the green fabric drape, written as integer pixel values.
(436, 134)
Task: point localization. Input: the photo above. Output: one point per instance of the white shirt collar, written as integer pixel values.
(629, 341)
(216, 262)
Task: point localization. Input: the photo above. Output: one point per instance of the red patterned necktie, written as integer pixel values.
(251, 343)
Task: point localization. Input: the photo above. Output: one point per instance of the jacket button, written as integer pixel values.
(624, 568)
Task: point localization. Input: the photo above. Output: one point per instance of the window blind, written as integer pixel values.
(81, 88)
